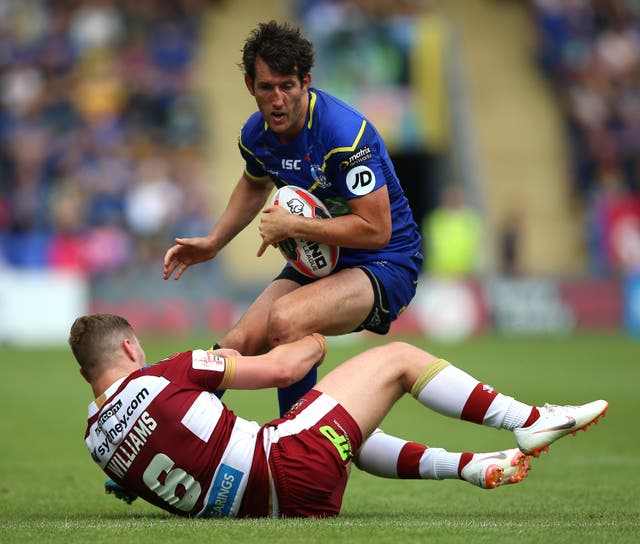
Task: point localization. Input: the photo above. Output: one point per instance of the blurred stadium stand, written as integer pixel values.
(590, 53)
(101, 132)
(517, 128)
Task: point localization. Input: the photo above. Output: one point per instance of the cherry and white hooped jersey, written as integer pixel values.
(161, 433)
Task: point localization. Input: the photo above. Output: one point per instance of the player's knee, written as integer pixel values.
(243, 341)
(282, 328)
(397, 349)
(407, 352)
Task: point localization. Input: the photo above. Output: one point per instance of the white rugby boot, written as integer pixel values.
(555, 422)
(491, 470)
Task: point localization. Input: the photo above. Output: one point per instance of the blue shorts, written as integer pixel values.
(394, 281)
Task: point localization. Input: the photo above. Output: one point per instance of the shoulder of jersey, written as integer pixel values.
(253, 126)
(342, 120)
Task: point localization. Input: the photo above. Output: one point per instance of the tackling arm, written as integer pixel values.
(282, 366)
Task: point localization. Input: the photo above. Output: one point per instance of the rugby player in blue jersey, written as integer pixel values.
(305, 137)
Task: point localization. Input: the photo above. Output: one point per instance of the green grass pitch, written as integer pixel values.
(585, 490)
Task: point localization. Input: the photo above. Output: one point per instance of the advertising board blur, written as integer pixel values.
(37, 307)
(452, 310)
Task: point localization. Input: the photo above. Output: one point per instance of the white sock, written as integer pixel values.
(452, 392)
(387, 456)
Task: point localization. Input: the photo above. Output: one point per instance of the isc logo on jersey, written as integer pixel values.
(205, 360)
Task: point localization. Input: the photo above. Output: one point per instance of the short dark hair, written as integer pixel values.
(281, 46)
(95, 338)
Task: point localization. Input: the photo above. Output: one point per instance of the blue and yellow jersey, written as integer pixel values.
(338, 156)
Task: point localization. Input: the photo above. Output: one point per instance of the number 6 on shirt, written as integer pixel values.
(163, 480)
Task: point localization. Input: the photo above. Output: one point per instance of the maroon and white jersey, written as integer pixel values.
(162, 433)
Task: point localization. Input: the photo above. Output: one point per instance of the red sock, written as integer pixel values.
(464, 460)
(478, 403)
(409, 461)
(533, 417)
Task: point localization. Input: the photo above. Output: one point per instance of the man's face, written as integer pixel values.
(282, 100)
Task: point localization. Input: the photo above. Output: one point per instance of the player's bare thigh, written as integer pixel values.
(336, 304)
(368, 384)
(249, 334)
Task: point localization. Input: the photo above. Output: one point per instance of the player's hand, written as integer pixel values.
(226, 352)
(263, 247)
(113, 488)
(184, 253)
(274, 226)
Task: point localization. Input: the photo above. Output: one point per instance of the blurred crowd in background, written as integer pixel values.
(100, 132)
(590, 51)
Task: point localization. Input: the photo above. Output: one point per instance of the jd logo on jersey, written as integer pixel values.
(361, 180)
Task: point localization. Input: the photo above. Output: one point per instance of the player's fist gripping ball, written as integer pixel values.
(309, 258)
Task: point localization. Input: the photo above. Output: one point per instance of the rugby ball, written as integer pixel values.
(312, 259)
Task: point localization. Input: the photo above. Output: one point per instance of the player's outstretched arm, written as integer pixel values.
(186, 252)
(245, 202)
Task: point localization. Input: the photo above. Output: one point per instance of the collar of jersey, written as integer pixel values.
(110, 391)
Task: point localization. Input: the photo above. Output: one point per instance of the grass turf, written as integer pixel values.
(585, 490)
